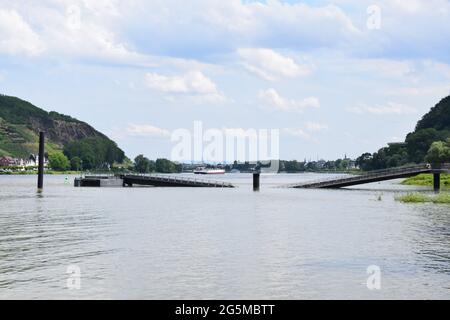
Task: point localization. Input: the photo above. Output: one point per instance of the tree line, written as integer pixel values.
(145, 165)
(59, 161)
(87, 154)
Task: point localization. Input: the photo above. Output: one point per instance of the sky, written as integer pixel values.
(334, 77)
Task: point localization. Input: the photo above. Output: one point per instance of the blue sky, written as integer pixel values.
(316, 70)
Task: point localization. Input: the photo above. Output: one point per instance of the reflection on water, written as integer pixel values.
(168, 243)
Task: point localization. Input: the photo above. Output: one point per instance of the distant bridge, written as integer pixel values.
(156, 180)
(378, 175)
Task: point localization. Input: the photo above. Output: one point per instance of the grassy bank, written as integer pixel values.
(17, 173)
(424, 198)
(427, 180)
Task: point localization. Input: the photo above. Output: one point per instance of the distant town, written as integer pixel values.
(290, 166)
(30, 164)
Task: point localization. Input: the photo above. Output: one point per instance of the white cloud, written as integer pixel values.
(409, 6)
(193, 84)
(438, 67)
(307, 131)
(87, 31)
(16, 36)
(218, 27)
(210, 98)
(380, 67)
(145, 130)
(64, 29)
(386, 67)
(240, 132)
(391, 108)
(296, 132)
(102, 7)
(415, 29)
(116, 28)
(315, 126)
(271, 65)
(272, 98)
(79, 32)
(110, 29)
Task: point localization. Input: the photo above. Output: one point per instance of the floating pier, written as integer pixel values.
(156, 180)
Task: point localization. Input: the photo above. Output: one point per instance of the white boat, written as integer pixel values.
(204, 170)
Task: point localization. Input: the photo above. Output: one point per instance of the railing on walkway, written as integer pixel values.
(185, 180)
(366, 176)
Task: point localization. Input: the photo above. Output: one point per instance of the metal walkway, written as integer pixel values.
(373, 176)
(157, 180)
(171, 181)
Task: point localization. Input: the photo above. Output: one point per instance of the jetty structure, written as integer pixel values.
(156, 180)
(378, 175)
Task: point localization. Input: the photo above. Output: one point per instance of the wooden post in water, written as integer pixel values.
(256, 177)
(41, 161)
(437, 182)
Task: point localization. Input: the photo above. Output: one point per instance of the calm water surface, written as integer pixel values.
(195, 243)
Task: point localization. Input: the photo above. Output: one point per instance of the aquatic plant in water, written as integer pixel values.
(423, 198)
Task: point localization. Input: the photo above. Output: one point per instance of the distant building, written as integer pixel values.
(7, 161)
(32, 161)
(320, 164)
(352, 164)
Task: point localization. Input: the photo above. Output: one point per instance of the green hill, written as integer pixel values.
(434, 126)
(438, 118)
(20, 123)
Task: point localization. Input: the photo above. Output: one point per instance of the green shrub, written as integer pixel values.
(58, 161)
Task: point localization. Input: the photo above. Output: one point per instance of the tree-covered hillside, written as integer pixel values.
(17, 111)
(438, 118)
(433, 127)
(20, 123)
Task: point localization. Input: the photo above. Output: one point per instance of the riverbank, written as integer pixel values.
(424, 198)
(426, 179)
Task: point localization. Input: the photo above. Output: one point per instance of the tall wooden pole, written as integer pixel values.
(256, 177)
(41, 161)
(437, 182)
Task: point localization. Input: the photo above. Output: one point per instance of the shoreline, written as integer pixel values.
(50, 172)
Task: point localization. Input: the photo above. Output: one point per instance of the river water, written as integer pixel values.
(199, 243)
